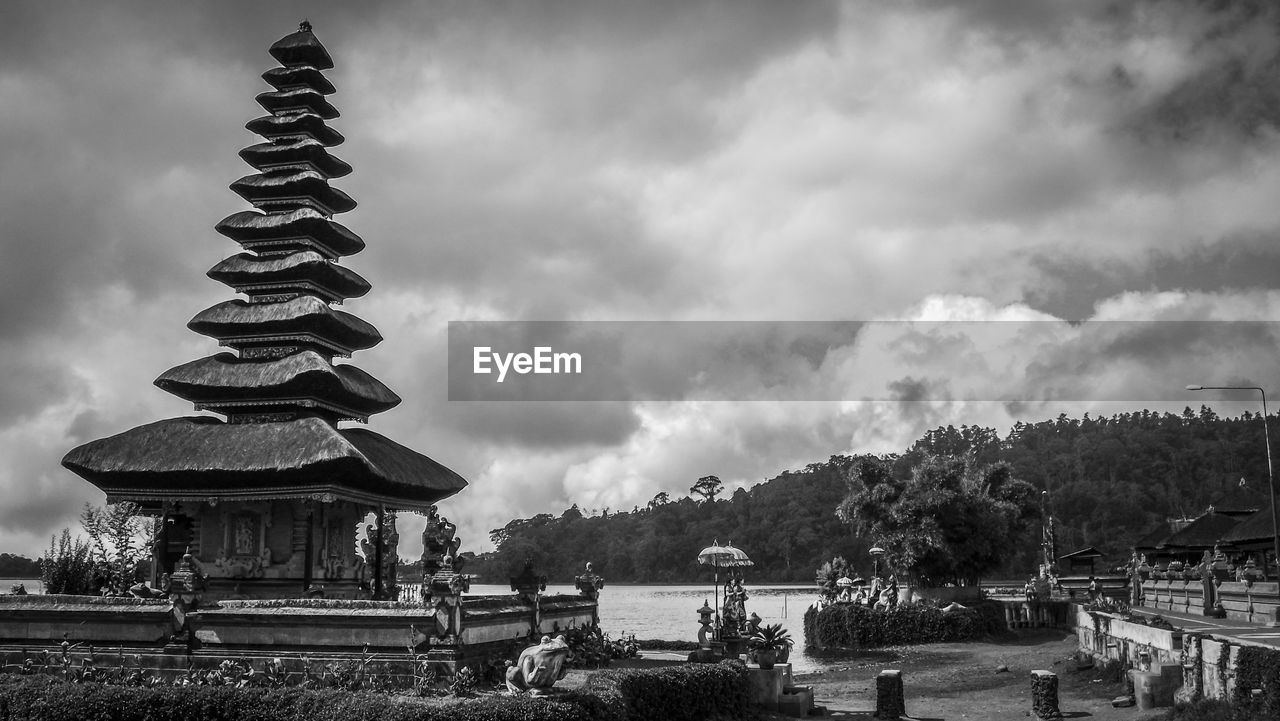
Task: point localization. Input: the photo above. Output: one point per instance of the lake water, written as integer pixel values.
(669, 613)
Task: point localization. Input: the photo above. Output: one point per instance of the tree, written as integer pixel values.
(707, 487)
(660, 499)
(950, 521)
(830, 572)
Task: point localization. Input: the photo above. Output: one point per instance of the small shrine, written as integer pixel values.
(268, 499)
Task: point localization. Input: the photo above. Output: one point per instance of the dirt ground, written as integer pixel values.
(949, 681)
(960, 681)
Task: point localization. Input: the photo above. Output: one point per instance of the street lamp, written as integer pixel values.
(1271, 479)
(876, 552)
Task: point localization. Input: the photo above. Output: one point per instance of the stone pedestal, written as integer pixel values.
(767, 684)
(795, 701)
(1044, 696)
(890, 703)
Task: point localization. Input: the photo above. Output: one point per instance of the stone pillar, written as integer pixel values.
(1192, 671)
(1044, 696)
(889, 698)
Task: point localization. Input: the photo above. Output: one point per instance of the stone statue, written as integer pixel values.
(185, 587)
(437, 541)
(1135, 580)
(442, 595)
(539, 667)
(390, 555)
(735, 607)
(589, 584)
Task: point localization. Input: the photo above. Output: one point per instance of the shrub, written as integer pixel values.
(849, 625)
(1258, 668)
(676, 693)
(464, 681)
(67, 567)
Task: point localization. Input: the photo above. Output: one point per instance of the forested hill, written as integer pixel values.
(1109, 481)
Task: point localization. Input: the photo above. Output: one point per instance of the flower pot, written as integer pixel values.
(766, 657)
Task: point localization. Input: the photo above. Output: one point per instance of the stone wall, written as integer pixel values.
(329, 629)
(1109, 637)
(1209, 665)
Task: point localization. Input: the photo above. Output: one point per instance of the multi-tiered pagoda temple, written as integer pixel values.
(269, 500)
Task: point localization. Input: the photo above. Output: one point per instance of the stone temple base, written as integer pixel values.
(150, 633)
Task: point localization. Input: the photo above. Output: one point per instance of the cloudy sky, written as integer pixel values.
(1039, 162)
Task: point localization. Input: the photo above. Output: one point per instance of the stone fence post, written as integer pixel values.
(1044, 696)
(889, 697)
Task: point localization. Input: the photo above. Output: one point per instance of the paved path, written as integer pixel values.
(1226, 627)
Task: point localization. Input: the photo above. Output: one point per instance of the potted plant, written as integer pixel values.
(769, 644)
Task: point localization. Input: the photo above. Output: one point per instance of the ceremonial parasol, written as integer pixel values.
(718, 557)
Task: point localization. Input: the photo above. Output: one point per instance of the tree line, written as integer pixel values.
(16, 566)
(1109, 480)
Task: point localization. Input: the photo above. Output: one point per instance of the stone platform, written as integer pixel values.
(163, 639)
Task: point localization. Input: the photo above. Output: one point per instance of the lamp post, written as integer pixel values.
(1271, 479)
(876, 552)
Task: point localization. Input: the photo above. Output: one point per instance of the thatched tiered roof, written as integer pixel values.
(299, 76)
(297, 99)
(297, 229)
(282, 395)
(293, 186)
(274, 126)
(198, 458)
(237, 323)
(255, 274)
(226, 381)
(302, 150)
(301, 48)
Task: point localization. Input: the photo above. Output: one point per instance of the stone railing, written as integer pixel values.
(1255, 602)
(104, 620)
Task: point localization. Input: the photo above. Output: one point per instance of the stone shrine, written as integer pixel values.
(268, 499)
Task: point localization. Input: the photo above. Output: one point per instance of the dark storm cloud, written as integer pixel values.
(1232, 89)
(544, 425)
(1245, 261)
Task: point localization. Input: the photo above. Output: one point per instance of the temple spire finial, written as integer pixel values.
(304, 26)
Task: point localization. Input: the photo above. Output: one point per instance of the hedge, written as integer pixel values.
(849, 625)
(44, 698)
(689, 692)
(679, 693)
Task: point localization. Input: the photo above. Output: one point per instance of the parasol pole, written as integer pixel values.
(715, 563)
